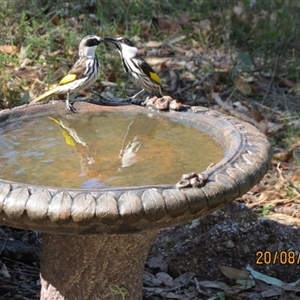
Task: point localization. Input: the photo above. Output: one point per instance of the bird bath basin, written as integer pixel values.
(97, 234)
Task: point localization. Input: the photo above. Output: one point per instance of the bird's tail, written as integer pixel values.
(45, 95)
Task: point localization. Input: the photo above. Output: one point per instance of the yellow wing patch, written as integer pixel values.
(155, 78)
(68, 78)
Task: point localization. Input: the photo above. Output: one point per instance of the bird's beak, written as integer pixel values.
(110, 40)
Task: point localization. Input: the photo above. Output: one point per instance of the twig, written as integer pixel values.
(197, 284)
(272, 78)
(230, 110)
(196, 82)
(271, 109)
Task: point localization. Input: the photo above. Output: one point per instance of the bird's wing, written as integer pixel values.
(76, 72)
(150, 72)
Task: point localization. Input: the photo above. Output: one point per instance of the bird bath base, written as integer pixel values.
(94, 266)
(95, 241)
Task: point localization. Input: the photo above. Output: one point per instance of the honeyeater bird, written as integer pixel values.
(82, 75)
(136, 67)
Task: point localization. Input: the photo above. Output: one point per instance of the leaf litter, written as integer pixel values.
(187, 262)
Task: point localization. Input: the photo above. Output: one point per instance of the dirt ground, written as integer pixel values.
(183, 261)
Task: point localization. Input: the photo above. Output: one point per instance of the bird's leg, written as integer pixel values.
(69, 105)
(137, 94)
(129, 99)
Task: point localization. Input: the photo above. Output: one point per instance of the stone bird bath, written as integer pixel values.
(95, 242)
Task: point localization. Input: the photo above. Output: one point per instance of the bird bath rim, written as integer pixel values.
(129, 209)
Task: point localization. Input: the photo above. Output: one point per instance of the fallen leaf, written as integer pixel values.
(4, 271)
(272, 292)
(274, 127)
(165, 278)
(165, 25)
(154, 44)
(246, 283)
(183, 278)
(267, 279)
(56, 20)
(289, 83)
(150, 279)
(171, 295)
(284, 155)
(233, 273)
(214, 285)
(9, 49)
(258, 116)
(158, 263)
(263, 126)
(242, 86)
(177, 37)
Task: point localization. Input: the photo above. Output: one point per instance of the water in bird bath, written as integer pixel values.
(106, 149)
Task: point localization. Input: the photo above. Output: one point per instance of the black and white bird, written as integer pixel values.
(83, 74)
(139, 71)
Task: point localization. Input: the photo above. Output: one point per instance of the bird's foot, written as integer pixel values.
(128, 100)
(135, 101)
(70, 107)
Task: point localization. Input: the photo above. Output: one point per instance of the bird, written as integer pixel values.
(136, 67)
(82, 75)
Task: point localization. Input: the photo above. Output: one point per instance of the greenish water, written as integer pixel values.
(99, 150)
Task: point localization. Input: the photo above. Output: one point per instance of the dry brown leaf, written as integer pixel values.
(258, 116)
(289, 83)
(233, 273)
(259, 188)
(239, 12)
(295, 177)
(56, 20)
(28, 75)
(175, 38)
(292, 210)
(264, 197)
(284, 156)
(154, 44)
(166, 26)
(183, 18)
(9, 49)
(82, 17)
(256, 89)
(274, 127)
(242, 86)
(156, 61)
(269, 195)
(263, 126)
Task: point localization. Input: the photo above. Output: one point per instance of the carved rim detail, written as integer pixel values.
(123, 210)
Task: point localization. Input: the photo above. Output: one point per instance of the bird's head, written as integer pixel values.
(124, 45)
(88, 45)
